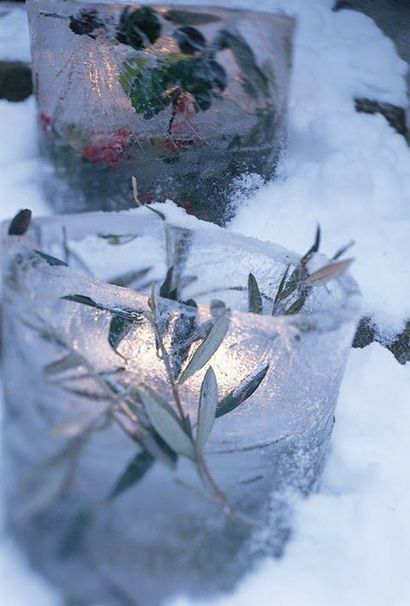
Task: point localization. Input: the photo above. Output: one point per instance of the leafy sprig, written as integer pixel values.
(296, 285)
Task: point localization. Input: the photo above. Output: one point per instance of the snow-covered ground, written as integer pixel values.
(351, 173)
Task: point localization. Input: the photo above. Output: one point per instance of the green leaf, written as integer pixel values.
(167, 425)
(166, 289)
(343, 250)
(313, 249)
(74, 537)
(241, 393)
(144, 85)
(127, 314)
(133, 473)
(326, 274)
(254, 296)
(208, 347)
(208, 401)
(68, 362)
(50, 259)
(83, 300)
(281, 287)
(254, 80)
(130, 277)
(119, 328)
(181, 17)
(297, 305)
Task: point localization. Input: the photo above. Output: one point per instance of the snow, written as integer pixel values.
(351, 173)
(348, 171)
(14, 38)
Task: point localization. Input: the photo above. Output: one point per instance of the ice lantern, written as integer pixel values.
(185, 98)
(100, 516)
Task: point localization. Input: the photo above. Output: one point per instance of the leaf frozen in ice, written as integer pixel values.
(133, 473)
(208, 401)
(241, 393)
(326, 274)
(208, 347)
(167, 424)
(254, 296)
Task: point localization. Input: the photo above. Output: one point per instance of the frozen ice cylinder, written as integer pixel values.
(186, 98)
(99, 517)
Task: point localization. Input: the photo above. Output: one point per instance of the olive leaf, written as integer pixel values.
(241, 393)
(183, 334)
(168, 426)
(297, 305)
(133, 473)
(50, 259)
(326, 274)
(166, 289)
(127, 314)
(339, 253)
(181, 17)
(313, 249)
(74, 536)
(208, 401)
(281, 287)
(119, 329)
(208, 347)
(84, 300)
(68, 362)
(254, 296)
(130, 277)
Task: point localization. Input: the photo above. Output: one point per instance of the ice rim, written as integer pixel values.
(45, 232)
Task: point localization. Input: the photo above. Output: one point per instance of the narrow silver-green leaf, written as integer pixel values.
(313, 249)
(208, 347)
(281, 288)
(326, 274)
(166, 425)
(51, 260)
(162, 403)
(133, 473)
(119, 328)
(208, 401)
(343, 250)
(68, 362)
(83, 299)
(74, 536)
(241, 393)
(254, 296)
(296, 306)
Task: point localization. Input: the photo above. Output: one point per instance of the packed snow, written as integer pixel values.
(351, 173)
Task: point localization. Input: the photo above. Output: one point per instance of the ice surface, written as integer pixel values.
(276, 440)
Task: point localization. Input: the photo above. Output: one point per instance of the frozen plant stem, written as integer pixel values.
(203, 469)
